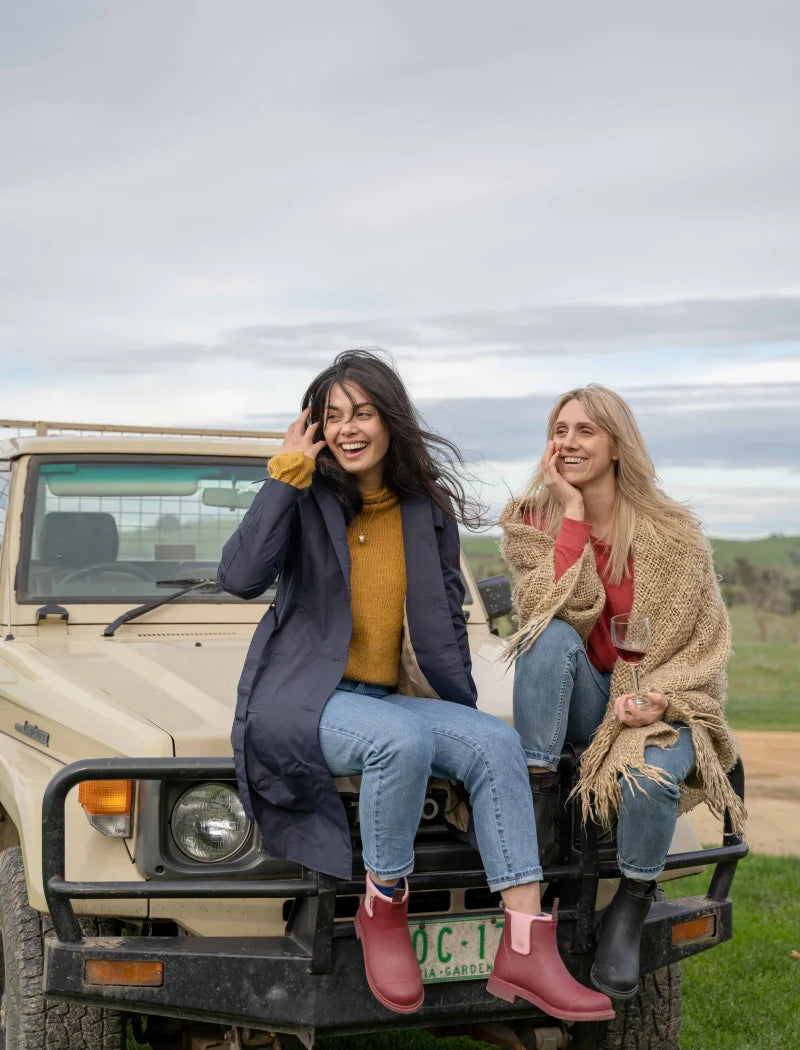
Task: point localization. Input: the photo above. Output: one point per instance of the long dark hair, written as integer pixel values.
(418, 461)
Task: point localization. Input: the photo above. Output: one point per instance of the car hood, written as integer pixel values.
(159, 691)
(183, 683)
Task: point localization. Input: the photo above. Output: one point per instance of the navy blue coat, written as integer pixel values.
(300, 650)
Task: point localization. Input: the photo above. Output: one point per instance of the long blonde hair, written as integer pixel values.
(637, 495)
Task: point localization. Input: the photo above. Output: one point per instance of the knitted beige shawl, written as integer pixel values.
(675, 585)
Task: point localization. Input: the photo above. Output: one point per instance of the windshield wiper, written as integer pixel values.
(140, 610)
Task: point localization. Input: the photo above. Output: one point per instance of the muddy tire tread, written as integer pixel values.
(649, 1021)
(38, 1023)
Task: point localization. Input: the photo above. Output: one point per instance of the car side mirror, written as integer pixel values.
(495, 592)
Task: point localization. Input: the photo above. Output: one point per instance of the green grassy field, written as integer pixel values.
(782, 552)
(744, 994)
(763, 677)
(483, 554)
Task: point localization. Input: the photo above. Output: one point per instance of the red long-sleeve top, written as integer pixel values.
(569, 546)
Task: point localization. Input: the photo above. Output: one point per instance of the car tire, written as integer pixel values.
(29, 1021)
(651, 1020)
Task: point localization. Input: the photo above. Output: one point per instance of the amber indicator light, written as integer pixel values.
(105, 797)
(695, 930)
(111, 971)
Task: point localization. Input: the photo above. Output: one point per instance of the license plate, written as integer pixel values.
(456, 949)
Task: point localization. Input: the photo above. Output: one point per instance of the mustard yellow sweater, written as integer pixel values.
(377, 575)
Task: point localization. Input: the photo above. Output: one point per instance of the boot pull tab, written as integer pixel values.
(399, 893)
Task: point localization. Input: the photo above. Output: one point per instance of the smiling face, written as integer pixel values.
(356, 434)
(585, 450)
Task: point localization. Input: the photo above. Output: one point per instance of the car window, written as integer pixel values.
(114, 528)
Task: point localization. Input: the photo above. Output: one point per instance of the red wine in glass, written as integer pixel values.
(630, 636)
(629, 655)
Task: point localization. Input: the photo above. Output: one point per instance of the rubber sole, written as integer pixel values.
(394, 1007)
(509, 992)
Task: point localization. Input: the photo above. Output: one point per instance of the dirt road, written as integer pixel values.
(772, 795)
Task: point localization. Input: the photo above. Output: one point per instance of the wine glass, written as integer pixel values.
(630, 636)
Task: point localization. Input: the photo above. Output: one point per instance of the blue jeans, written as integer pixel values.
(560, 697)
(396, 742)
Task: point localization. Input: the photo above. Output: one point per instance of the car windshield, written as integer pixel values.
(117, 529)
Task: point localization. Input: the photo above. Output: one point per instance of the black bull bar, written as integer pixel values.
(312, 977)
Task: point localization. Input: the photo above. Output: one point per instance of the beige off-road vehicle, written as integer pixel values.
(136, 900)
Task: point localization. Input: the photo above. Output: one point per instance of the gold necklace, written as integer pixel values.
(363, 533)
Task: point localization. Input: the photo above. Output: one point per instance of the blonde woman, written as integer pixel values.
(592, 537)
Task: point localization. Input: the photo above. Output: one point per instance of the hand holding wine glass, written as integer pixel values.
(630, 636)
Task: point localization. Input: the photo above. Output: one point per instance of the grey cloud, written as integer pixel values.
(746, 427)
(586, 327)
(756, 425)
(308, 159)
(255, 142)
(569, 327)
(734, 512)
(710, 324)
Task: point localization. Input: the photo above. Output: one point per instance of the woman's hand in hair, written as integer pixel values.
(629, 714)
(301, 434)
(567, 495)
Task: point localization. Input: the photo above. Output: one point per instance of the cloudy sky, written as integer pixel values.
(201, 202)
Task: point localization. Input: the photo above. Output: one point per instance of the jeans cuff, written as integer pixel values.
(631, 872)
(389, 873)
(539, 758)
(506, 882)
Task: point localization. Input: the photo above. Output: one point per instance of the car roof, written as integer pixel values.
(24, 437)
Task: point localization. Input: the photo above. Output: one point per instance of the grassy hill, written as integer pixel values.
(780, 552)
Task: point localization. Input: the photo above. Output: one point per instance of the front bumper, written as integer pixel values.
(267, 983)
(311, 980)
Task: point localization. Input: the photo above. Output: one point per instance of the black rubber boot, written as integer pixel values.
(546, 791)
(616, 961)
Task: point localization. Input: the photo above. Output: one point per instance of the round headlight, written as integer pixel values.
(209, 823)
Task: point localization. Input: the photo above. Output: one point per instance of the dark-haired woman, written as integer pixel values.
(362, 667)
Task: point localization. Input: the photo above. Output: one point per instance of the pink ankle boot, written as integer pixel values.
(391, 966)
(528, 965)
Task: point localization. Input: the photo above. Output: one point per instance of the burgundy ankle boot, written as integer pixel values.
(528, 965)
(391, 966)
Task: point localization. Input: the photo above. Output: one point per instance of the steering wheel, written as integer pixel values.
(105, 567)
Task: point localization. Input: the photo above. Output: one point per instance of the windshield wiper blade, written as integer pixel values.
(184, 585)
